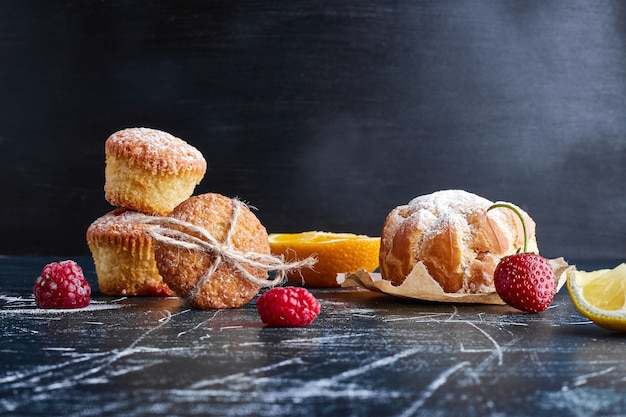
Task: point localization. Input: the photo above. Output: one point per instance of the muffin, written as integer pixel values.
(186, 270)
(451, 233)
(150, 171)
(123, 255)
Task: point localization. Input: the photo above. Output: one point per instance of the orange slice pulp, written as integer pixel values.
(335, 253)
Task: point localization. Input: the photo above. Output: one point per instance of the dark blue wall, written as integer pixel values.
(323, 115)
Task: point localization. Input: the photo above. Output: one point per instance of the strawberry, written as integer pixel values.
(525, 280)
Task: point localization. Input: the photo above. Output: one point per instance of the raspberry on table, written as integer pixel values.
(287, 307)
(62, 285)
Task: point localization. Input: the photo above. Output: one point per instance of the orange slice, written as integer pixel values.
(600, 296)
(335, 253)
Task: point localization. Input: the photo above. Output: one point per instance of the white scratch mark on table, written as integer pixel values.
(181, 312)
(60, 349)
(432, 388)
(25, 330)
(583, 379)
(455, 313)
(199, 324)
(367, 316)
(231, 327)
(27, 306)
(33, 377)
(513, 323)
(322, 339)
(579, 323)
(422, 317)
(328, 386)
(217, 381)
(76, 378)
(365, 311)
(498, 349)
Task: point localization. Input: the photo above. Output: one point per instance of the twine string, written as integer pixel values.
(182, 234)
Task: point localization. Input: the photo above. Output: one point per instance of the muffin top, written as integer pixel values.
(119, 227)
(155, 150)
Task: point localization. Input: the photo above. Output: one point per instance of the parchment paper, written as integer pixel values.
(420, 285)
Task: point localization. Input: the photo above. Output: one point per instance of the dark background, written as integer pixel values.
(322, 114)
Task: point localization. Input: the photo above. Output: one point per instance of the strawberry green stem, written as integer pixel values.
(519, 214)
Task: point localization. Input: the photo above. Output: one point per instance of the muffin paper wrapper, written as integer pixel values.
(420, 285)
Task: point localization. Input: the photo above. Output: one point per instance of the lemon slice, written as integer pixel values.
(335, 253)
(600, 296)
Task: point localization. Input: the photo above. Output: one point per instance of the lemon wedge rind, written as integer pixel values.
(600, 296)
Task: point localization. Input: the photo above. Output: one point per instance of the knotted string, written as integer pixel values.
(179, 233)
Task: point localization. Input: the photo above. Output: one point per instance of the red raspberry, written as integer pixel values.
(62, 285)
(287, 307)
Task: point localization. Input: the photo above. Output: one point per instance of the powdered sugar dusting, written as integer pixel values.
(155, 149)
(27, 306)
(442, 208)
(450, 203)
(119, 222)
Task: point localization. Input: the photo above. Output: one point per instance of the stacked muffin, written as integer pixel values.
(147, 171)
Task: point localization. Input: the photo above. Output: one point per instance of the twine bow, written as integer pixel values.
(180, 233)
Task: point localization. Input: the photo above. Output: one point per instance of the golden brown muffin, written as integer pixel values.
(454, 236)
(183, 269)
(123, 254)
(150, 171)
